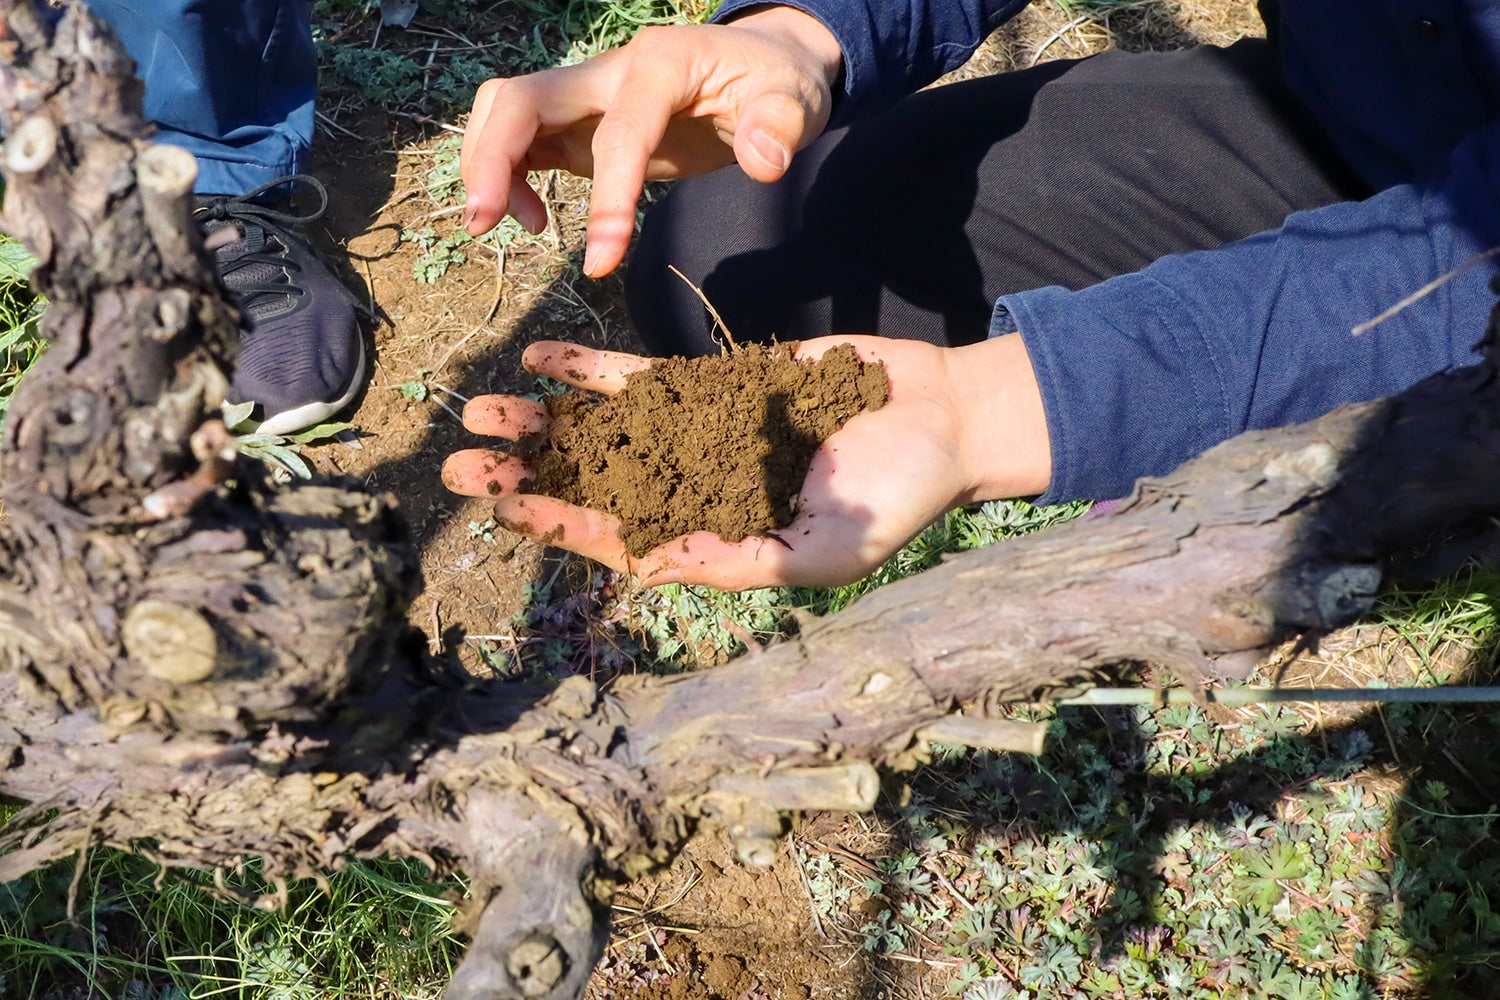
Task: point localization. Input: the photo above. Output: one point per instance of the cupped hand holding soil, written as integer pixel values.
(869, 488)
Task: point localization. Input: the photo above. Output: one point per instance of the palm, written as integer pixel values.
(870, 488)
(882, 478)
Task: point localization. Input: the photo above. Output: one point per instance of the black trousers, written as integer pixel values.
(911, 222)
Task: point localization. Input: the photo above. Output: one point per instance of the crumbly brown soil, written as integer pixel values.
(720, 444)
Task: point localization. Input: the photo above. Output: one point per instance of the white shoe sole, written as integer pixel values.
(311, 414)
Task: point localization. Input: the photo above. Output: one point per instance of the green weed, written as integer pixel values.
(561, 630)
(20, 311)
(1129, 860)
(435, 254)
(1458, 612)
(379, 923)
(700, 625)
(282, 452)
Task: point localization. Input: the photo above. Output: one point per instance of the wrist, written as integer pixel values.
(818, 46)
(1003, 443)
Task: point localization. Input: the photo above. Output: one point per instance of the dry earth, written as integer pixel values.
(707, 928)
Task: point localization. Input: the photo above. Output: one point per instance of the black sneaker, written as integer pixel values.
(302, 358)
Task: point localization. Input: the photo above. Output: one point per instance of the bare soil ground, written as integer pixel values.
(707, 927)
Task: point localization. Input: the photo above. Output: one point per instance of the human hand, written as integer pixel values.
(675, 101)
(871, 487)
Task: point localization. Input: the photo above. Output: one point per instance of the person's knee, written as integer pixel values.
(745, 247)
(667, 315)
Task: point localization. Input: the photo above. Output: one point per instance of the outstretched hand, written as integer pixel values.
(871, 487)
(675, 101)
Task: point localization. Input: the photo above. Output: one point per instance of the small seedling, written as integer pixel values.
(20, 312)
(282, 452)
(437, 254)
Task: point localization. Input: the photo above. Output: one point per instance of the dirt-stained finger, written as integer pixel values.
(584, 367)
(789, 557)
(555, 522)
(480, 472)
(793, 556)
(703, 558)
(509, 417)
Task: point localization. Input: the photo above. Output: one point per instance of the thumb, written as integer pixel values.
(771, 127)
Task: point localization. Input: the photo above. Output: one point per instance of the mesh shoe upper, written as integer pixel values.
(302, 358)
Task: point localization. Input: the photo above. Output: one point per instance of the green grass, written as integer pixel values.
(20, 310)
(1459, 612)
(1155, 854)
(381, 930)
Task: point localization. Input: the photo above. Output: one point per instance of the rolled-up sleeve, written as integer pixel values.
(1144, 371)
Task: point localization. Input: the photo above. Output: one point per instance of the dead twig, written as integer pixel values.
(1426, 290)
(812, 904)
(499, 285)
(718, 320)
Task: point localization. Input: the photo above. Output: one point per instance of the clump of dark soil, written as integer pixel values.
(719, 443)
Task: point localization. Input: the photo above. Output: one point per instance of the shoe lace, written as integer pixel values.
(267, 237)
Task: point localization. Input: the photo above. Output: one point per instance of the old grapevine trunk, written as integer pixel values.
(201, 665)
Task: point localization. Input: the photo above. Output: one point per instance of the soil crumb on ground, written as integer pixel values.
(690, 444)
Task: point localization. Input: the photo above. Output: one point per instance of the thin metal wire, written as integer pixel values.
(1235, 697)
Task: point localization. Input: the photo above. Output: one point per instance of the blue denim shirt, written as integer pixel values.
(1143, 371)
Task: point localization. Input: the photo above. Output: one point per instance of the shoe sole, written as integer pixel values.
(302, 417)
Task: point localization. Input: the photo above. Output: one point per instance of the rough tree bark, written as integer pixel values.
(200, 665)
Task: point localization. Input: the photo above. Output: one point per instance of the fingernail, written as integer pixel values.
(511, 524)
(590, 260)
(533, 222)
(469, 212)
(768, 149)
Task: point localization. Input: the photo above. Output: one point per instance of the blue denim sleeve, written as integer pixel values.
(1142, 372)
(894, 47)
(232, 83)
